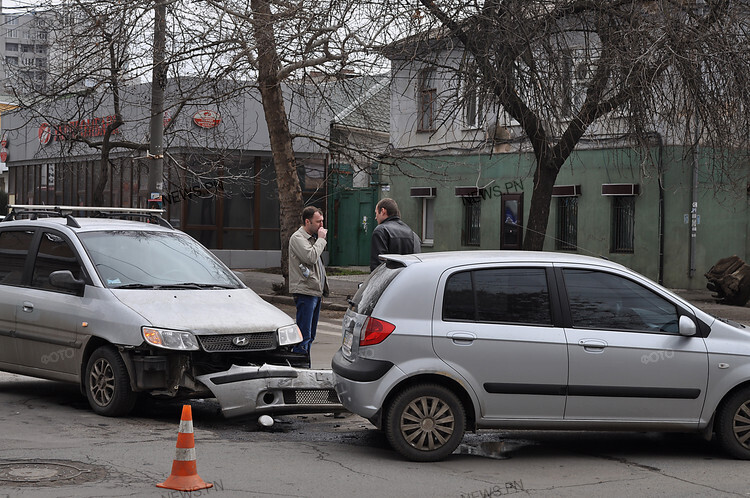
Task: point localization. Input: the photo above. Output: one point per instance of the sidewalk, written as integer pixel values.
(341, 287)
(344, 286)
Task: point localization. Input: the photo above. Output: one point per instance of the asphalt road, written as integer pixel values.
(52, 445)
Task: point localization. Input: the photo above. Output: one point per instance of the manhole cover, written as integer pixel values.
(41, 472)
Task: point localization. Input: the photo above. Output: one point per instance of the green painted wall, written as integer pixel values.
(722, 205)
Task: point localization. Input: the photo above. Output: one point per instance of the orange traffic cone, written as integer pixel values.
(184, 469)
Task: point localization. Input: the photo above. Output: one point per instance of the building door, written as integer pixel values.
(351, 219)
(511, 233)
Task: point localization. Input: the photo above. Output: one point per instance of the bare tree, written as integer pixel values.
(281, 43)
(562, 68)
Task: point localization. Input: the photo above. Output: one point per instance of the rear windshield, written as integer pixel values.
(367, 296)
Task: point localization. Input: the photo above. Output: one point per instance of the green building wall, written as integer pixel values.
(722, 205)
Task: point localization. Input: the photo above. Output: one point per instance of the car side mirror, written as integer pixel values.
(687, 326)
(64, 279)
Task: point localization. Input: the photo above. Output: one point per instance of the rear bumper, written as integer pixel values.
(272, 389)
(363, 385)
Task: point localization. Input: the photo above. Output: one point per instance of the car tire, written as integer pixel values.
(107, 383)
(733, 424)
(425, 422)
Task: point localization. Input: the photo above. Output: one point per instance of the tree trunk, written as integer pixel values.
(290, 192)
(102, 178)
(536, 226)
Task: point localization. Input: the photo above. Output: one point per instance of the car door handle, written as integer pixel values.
(28, 307)
(593, 345)
(462, 338)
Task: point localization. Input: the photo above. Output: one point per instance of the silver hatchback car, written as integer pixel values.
(124, 307)
(438, 343)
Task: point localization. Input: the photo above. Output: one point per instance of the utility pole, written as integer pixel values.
(158, 85)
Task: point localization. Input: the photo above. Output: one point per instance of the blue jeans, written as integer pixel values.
(308, 310)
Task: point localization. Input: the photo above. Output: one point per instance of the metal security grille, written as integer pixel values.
(472, 215)
(623, 224)
(311, 397)
(259, 341)
(567, 224)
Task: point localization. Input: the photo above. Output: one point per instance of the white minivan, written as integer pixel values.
(123, 307)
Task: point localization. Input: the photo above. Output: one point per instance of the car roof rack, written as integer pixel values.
(34, 211)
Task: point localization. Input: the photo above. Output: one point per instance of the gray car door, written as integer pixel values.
(495, 328)
(14, 249)
(627, 361)
(48, 325)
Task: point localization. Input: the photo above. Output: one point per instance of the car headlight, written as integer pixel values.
(289, 335)
(170, 339)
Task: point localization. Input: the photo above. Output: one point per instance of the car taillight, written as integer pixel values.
(376, 332)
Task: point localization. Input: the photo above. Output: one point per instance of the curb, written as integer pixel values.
(289, 300)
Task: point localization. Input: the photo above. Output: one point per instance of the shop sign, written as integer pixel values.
(85, 128)
(207, 119)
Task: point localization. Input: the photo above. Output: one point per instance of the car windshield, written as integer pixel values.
(146, 259)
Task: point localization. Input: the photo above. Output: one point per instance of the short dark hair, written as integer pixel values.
(389, 205)
(309, 212)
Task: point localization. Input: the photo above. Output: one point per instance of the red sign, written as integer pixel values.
(85, 128)
(3, 154)
(207, 119)
(45, 133)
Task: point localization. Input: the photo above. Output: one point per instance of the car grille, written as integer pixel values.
(311, 397)
(260, 341)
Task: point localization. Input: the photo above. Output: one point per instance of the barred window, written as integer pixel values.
(623, 224)
(566, 238)
(472, 214)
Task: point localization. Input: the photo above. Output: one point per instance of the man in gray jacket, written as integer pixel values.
(391, 236)
(307, 275)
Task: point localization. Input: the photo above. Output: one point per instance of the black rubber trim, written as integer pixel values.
(635, 392)
(598, 391)
(239, 377)
(361, 369)
(539, 389)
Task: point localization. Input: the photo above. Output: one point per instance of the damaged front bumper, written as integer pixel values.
(246, 390)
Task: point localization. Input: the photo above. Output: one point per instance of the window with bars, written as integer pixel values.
(566, 236)
(623, 224)
(427, 98)
(472, 214)
(428, 221)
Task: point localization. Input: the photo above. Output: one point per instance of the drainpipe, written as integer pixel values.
(660, 177)
(694, 202)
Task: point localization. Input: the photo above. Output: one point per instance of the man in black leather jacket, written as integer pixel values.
(391, 236)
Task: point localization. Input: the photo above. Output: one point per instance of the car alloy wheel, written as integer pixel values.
(102, 382)
(425, 422)
(108, 384)
(733, 424)
(741, 424)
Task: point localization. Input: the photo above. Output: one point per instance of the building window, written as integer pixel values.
(472, 215)
(473, 105)
(11, 47)
(11, 20)
(427, 100)
(566, 238)
(428, 221)
(11, 61)
(12, 33)
(623, 224)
